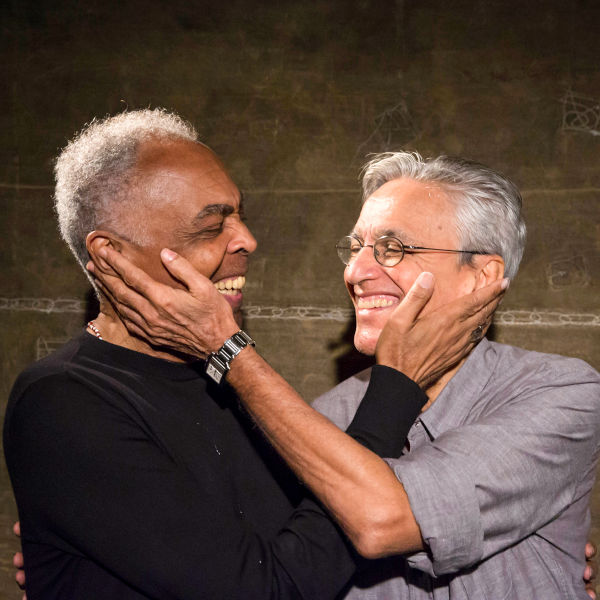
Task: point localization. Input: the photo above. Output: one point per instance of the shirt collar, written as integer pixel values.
(456, 400)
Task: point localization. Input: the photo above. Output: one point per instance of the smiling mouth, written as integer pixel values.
(231, 286)
(373, 302)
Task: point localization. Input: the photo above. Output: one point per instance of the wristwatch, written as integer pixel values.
(217, 364)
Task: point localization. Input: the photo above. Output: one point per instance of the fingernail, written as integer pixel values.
(425, 280)
(90, 266)
(168, 255)
(505, 283)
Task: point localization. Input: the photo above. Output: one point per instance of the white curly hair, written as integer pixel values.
(94, 170)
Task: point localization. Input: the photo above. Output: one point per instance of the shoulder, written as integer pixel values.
(50, 372)
(58, 392)
(48, 400)
(536, 367)
(543, 382)
(340, 403)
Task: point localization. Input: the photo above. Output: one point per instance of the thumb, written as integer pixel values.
(182, 270)
(417, 297)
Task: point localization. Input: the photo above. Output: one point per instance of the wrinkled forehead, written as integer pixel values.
(411, 210)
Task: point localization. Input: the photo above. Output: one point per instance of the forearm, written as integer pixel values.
(355, 485)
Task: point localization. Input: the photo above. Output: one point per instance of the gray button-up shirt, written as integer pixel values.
(498, 472)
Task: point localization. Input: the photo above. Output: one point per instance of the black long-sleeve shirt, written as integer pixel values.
(135, 478)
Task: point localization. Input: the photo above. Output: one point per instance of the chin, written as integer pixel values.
(365, 343)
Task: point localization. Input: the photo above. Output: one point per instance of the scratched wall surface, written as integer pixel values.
(293, 96)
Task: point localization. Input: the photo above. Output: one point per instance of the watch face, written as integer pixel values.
(218, 363)
(214, 373)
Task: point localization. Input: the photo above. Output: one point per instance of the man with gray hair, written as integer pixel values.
(136, 475)
(490, 496)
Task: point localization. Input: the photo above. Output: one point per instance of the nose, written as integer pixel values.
(363, 267)
(242, 240)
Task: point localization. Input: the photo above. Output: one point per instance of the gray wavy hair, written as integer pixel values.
(94, 170)
(488, 205)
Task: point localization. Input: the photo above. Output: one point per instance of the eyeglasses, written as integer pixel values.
(388, 250)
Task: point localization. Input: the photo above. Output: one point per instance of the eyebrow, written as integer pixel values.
(222, 210)
(397, 233)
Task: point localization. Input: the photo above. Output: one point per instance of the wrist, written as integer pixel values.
(222, 333)
(218, 363)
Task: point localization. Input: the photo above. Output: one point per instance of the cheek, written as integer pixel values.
(449, 287)
(148, 259)
(205, 258)
(404, 275)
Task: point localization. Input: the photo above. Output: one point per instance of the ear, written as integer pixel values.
(490, 267)
(97, 239)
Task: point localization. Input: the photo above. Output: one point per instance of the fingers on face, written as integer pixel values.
(483, 312)
(487, 297)
(131, 275)
(416, 298)
(182, 270)
(119, 292)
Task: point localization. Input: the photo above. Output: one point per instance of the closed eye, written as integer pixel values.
(205, 233)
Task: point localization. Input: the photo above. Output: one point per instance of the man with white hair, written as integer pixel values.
(135, 474)
(490, 498)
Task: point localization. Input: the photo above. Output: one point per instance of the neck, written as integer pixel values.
(113, 330)
(434, 390)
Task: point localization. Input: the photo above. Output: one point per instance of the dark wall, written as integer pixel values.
(293, 95)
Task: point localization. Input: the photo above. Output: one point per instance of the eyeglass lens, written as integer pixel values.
(388, 251)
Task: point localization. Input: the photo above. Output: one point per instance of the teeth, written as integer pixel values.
(373, 302)
(230, 287)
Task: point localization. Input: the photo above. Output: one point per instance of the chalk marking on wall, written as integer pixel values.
(521, 318)
(299, 313)
(567, 272)
(392, 127)
(45, 346)
(580, 113)
(535, 318)
(45, 305)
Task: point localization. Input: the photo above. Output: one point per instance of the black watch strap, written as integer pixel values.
(217, 364)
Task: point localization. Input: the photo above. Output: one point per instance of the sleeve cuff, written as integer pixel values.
(387, 411)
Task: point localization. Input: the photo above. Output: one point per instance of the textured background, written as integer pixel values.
(293, 95)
